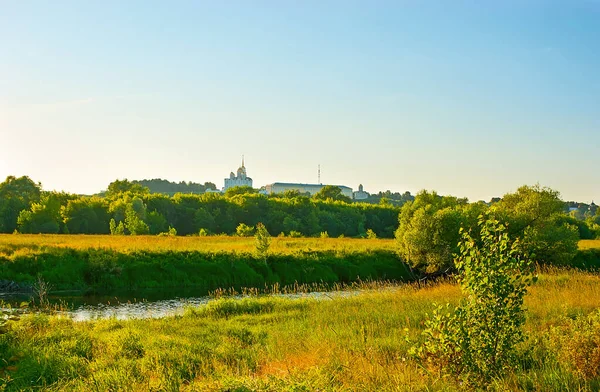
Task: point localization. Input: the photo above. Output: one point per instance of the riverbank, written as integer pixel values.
(108, 270)
(118, 264)
(267, 343)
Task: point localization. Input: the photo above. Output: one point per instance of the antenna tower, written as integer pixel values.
(320, 175)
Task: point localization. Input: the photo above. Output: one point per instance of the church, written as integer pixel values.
(241, 179)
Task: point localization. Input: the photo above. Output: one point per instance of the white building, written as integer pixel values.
(360, 194)
(280, 187)
(241, 179)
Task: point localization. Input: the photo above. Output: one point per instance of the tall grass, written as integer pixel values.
(39, 243)
(106, 271)
(353, 343)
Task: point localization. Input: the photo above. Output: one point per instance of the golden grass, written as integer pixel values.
(37, 242)
(589, 244)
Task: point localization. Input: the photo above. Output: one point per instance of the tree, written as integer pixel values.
(243, 230)
(116, 229)
(536, 215)
(121, 186)
(263, 241)
(86, 215)
(135, 214)
(16, 195)
(331, 192)
(476, 342)
(240, 190)
(428, 231)
(43, 217)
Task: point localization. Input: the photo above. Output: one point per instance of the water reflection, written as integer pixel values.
(125, 307)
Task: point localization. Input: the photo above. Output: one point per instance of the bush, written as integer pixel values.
(476, 341)
(263, 241)
(243, 230)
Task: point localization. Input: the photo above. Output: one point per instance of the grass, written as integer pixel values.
(589, 244)
(38, 243)
(105, 264)
(354, 343)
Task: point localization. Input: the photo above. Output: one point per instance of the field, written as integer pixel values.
(107, 264)
(9, 243)
(353, 343)
(589, 244)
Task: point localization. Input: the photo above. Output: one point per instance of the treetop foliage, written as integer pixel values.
(428, 231)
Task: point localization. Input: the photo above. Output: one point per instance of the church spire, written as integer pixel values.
(242, 160)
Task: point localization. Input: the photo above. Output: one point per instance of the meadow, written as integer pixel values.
(346, 343)
(106, 264)
(589, 244)
(31, 243)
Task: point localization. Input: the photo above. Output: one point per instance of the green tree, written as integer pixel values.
(243, 230)
(240, 190)
(135, 214)
(536, 215)
(331, 192)
(86, 215)
(262, 241)
(371, 234)
(116, 229)
(43, 217)
(121, 186)
(16, 195)
(156, 222)
(428, 231)
(477, 341)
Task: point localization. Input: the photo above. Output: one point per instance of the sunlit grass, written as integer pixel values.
(37, 243)
(589, 244)
(352, 343)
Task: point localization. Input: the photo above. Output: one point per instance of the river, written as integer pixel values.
(139, 305)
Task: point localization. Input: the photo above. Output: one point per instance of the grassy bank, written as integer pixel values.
(35, 243)
(345, 344)
(105, 264)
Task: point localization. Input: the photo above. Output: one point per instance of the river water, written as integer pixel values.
(141, 305)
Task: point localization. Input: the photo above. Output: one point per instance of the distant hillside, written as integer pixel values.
(166, 187)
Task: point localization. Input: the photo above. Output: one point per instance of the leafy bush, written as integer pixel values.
(476, 341)
(243, 230)
(263, 241)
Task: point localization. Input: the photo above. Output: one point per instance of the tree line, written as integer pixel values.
(426, 227)
(129, 208)
(428, 231)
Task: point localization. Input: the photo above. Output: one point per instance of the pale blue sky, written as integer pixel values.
(470, 98)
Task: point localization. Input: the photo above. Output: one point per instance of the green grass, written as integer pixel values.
(353, 343)
(11, 244)
(105, 264)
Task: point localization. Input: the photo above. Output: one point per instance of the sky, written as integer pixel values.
(468, 98)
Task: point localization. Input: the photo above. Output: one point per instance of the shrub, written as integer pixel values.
(371, 234)
(476, 341)
(263, 241)
(295, 234)
(243, 230)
